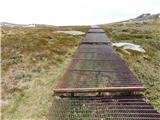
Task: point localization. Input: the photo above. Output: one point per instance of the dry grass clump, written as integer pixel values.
(145, 66)
(32, 61)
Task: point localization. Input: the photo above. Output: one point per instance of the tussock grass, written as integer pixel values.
(33, 60)
(145, 66)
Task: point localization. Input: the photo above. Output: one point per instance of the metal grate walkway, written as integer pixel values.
(92, 38)
(96, 30)
(96, 68)
(102, 108)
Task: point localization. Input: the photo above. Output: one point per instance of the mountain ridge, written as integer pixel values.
(143, 18)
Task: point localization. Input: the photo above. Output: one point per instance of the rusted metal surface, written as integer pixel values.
(96, 52)
(95, 48)
(96, 31)
(93, 90)
(96, 79)
(97, 66)
(95, 27)
(102, 108)
(92, 38)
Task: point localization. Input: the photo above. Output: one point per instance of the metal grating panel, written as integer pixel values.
(102, 108)
(99, 65)
(94, 79)
(95, 48)
(96, 31)
(97, 75)
(96, 52)
(96, 38)
(95, 27)
(96, 67)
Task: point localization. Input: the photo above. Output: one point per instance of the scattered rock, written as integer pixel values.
(57, 97)
(22, 75)
(142, 19)
(146, 57)
(3, 103)
(125, 52)
(3, 81)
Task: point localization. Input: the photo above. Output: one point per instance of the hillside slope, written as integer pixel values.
(146, 66)
(33, 59)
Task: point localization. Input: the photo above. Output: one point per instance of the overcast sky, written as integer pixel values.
(74, 12)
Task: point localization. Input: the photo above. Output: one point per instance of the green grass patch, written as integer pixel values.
(33, 60)
(145, 66)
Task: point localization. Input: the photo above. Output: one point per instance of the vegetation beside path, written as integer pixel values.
(33, 60)
(145, 66)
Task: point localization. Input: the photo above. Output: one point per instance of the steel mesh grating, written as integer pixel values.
(95, 27)
(96, 38)
(96, 30)
(97, 66)
(102, 108)
(96, 52)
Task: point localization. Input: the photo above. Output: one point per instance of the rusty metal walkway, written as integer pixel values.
(132, 107)
(96, 68)
(96, 37)
(96, 31)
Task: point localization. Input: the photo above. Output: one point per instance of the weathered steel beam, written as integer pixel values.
(96, 42)
(93, 90)
(96, 59)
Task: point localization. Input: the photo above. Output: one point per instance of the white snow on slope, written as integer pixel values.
(72, 32)
(129, 46)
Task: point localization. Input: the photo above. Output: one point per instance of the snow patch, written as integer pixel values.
(94, 26)
(30, 25)
(129, 46)
(72, 32)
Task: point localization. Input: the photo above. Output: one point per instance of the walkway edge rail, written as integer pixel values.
(105, 89)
